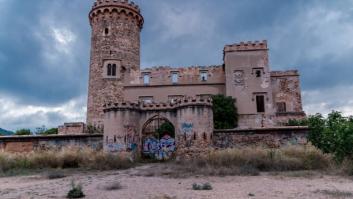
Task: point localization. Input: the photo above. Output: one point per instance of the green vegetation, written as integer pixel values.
(166, 128)
(225, 114)
(4, 132)
(333, 134)
(23, 132)
(205, 186)
(76, 191)
(52, 131)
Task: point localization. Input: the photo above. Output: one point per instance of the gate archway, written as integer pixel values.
(158, 139)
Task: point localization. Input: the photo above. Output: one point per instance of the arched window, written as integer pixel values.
(114, 70)
(109, 70)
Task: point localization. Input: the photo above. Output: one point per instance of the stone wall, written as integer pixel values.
(22, 144)
(75, 128)
(261, 137)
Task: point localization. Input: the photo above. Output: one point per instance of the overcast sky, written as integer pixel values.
(44, 49)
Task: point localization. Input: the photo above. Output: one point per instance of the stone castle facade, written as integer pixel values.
(125, 100)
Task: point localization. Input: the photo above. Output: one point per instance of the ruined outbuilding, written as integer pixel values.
(135, 106)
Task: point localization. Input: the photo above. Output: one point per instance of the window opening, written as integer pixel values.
(260, 103)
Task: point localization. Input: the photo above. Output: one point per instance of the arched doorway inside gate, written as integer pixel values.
(158, 139)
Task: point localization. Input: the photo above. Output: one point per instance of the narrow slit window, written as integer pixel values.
(258, 73)
(146, 79)
(109, 70)
(114, 70)
(106, 31)
(175, 77)
(260, 103)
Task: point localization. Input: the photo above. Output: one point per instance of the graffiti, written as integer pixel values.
(187, 127)
(132, 138)
(159, 149)
(115, 147)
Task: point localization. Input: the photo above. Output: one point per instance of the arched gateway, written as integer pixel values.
(159, 131)
(158, 138)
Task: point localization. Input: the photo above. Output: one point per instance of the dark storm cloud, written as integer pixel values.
(44, 45)
(32, 65)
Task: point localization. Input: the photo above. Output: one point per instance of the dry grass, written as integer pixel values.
(335, 193)
(252, 161)
(61, 159)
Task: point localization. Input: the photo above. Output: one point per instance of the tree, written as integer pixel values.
(165, 128)
(23, 132)
(332, 135)
(225, 113)
(52, 131)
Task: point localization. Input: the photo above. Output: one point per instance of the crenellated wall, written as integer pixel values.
(192, 119)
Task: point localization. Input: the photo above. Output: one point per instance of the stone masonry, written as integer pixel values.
(124, 99)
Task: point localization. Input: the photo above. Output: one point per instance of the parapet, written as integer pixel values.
(284, 73)
(141, 106)
(121, 6)
(246, 46)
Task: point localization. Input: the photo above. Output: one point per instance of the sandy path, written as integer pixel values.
(137, 187)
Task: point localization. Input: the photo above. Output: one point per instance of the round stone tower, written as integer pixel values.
(115, 50)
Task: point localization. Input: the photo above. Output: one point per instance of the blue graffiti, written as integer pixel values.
(159, 149)
(187, 127)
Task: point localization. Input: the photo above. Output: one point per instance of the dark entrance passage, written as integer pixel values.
(158, 139)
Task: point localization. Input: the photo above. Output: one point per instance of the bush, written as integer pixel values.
(52, 131)
(225, 114)
(332, 135)
(23, 132)
(76, 191)
(205, 186)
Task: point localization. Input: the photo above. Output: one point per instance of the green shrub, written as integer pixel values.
(205, 186)
(52, 131)
(75, 191)
(332, 135)
(225, 113)
(23, 132)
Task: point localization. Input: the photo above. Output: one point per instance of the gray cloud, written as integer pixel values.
(44, 46)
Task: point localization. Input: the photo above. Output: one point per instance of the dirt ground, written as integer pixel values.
(137, 184)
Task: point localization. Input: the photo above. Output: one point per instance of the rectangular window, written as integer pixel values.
(146, 99)
(146, 78)
(175, 77)
(203, 75)
(260, 103)
(281, 107)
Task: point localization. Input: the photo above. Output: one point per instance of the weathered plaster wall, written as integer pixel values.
(263, 137)
(286, 89)
(242, 61)
(32, 143)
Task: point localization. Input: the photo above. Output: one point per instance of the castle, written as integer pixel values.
(133, 104)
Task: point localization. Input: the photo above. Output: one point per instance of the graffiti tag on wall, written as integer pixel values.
(187, 127)
(161, 149)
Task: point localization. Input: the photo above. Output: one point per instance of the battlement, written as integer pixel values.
(246, 46)
(284, 73)
(142, 106)
(180, 69)
(119, 6)
(127, 3)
